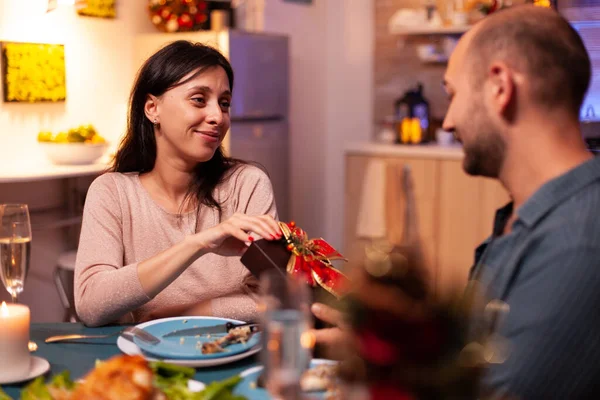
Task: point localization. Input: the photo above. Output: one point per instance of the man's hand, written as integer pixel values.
(336, 340)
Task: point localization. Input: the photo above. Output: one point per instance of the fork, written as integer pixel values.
(129, 333)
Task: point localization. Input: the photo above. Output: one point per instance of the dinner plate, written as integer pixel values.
(248, 387)
(189, 347)
(198, 360)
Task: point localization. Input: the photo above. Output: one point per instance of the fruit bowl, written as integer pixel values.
(74, 153)
(77, 146)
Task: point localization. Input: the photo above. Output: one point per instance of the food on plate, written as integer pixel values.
(128, 378)
(236, 335)
(81, 134)
(320, 378)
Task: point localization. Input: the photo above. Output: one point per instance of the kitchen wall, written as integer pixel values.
(331, 102)
(397, 67)
(99, 71)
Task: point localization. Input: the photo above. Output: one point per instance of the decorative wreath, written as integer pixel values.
(179, 15)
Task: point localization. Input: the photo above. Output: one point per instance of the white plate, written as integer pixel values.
(38, 366)
(131, 348)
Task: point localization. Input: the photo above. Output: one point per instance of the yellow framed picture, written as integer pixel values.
(96, 8)
(33, 72)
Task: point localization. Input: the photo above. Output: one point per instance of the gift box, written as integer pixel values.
(297, 255)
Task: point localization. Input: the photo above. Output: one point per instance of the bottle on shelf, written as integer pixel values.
(412, 117)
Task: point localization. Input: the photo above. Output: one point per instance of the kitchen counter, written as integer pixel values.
(44, 170)
(431, 151)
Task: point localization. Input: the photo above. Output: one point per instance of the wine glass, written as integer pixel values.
(287, 338)
(15, 247)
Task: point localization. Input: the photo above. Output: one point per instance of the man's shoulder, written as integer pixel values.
(574, 222)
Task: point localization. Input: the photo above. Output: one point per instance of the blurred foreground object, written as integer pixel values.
(406, 342)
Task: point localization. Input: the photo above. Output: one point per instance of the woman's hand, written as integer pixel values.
(229, 237)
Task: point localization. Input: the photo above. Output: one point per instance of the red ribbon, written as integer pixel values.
(311, 259)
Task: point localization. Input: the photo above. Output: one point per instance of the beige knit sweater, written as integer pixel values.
(123, 226)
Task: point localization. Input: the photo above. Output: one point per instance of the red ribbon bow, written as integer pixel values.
(311, 259)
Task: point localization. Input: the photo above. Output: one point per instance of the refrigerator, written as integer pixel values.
(260, 104)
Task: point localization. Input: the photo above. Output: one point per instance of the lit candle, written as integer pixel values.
(14, 339)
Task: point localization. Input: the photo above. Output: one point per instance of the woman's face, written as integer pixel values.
(193, 118)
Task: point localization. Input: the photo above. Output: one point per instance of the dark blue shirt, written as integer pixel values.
(547, 270)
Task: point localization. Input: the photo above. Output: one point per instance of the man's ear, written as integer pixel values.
(502, 88)
(151, 109)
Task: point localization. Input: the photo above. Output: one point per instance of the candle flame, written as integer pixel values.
(4, 309)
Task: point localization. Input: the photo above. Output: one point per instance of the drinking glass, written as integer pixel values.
(287, 338)
(15, 247)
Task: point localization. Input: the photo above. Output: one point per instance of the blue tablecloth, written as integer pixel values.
(80, 357)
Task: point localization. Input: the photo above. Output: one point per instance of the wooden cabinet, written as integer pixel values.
(467, 206)
(425, 176)
(455, 213)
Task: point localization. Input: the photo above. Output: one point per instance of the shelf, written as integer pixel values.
(31, 171)
(428, 30)
(426, 151)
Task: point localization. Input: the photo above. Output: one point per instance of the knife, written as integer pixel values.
(203, 330)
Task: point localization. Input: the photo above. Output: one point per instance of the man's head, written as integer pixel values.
(521, 62)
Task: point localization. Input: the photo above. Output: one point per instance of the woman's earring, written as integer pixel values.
(155, 122)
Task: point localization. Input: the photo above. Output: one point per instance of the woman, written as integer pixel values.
(162, 233)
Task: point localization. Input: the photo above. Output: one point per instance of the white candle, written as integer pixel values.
(14, 339)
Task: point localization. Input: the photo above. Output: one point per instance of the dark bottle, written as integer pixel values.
(412, 117)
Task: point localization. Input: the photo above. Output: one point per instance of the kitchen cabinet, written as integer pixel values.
(455, 211)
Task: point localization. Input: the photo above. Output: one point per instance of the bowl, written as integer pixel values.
(74, 153)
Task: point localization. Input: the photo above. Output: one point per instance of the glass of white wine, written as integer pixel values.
(15, 247)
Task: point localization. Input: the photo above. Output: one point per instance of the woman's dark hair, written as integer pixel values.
(161, 72)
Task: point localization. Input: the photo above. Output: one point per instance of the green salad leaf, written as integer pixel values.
(63, 381)
(173, 380)
(222, 390)
(36, 390)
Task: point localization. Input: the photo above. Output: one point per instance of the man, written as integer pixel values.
(516, 82)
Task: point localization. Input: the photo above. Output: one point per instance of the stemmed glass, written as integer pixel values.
(287, 338)
(15, 247)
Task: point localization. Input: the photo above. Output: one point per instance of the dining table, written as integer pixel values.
(79, 357)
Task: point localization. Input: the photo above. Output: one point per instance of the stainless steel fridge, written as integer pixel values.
(260, 107)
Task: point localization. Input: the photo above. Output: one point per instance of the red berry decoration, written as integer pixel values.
(179, 15)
